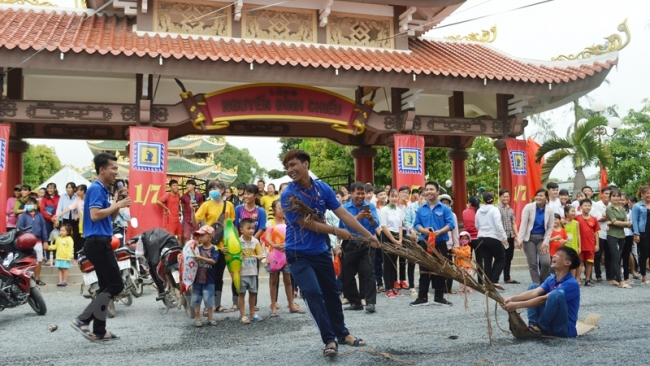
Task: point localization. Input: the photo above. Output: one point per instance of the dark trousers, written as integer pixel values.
(478, 257)
(390, 265)
(99, 252)
(379, 270)
(616, 247)
(494, 257)
(625, 256)
(510, 253)
(426, 278)
(598, 258)
(219, 267)
(359, 259)
(643, 248)
(314, 275)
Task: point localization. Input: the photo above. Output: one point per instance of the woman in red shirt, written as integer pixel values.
(47, 207)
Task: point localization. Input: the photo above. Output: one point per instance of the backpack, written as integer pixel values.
(219, 226)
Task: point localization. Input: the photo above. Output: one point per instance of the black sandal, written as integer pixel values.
(39, 282)
(331, 351)
(513, 282)
(535, 330)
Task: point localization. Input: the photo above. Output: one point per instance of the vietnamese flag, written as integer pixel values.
(534, 169)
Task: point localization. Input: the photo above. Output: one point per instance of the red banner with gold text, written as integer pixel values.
(408, 160)
(147, 175)
(517, 158)
(4, 158)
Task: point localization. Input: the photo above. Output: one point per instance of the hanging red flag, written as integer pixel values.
(534, 169)
(603, 177)
(519, 171)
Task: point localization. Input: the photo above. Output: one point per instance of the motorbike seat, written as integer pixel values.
(8, 238)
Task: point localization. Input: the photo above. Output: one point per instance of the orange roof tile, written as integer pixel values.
(30, 29)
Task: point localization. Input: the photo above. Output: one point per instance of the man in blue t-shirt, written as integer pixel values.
(98, 218)
(553, 306)
(308, 252)
(358, 257)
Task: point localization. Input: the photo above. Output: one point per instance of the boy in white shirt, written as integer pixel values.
(251, 252)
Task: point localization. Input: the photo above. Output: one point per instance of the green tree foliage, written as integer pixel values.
(630, 149)
(39, 163)
(248, 168)
(482, 166)
(275, 173)
(581, 146)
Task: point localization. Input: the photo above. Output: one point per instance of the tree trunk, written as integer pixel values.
(579, 181)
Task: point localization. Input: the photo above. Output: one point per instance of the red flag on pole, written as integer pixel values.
(519, 171)
(147, 175)
(534, 169)
(603, 177)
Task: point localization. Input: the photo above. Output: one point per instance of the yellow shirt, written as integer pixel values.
(210, 212)
(64, 247)
(267, 203)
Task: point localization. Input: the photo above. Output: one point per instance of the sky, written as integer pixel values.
(538, 32)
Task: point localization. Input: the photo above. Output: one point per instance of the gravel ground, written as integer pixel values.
(396, 334)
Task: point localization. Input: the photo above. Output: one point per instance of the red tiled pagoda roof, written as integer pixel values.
(104, 34)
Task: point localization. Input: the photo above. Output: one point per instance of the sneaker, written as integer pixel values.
(404, 285)
(370, 308)
(442, 302)
(396, 285)
(420, 302)
(390, 294)
(413, 292)
(398, 293)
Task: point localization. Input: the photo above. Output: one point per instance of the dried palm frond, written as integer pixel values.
(434, 263)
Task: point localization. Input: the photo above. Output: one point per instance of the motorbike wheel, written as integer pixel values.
(111, 309)
(137, 288)
(36, 301)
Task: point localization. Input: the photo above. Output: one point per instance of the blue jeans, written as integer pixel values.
(553, 317)
(314, 274)
(203, 292)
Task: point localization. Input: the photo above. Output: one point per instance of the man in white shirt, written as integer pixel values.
(554, 200)
(598, 211)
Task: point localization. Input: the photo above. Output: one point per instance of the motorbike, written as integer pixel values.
(139, 269)
(90, 277)
(17, 285)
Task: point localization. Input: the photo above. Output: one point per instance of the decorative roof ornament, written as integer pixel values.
(28, 2)
(613, 43)
(486, 36)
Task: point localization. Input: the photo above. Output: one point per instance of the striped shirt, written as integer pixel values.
(507, 217)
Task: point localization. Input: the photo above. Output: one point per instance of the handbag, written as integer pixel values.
(218, 227)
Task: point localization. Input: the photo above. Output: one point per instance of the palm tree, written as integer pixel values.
(582, 146)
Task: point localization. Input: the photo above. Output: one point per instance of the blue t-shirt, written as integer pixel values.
(571, 289)
(258, 215)
(354, 211)
(538, 226)
(435, 217)
(205, 273)
(97, 197)
(320, 197)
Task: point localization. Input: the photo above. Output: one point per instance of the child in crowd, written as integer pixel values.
(203, 286)
(463, 256)
(572, 233)
(588, 228)
(64, 246)
(251, 252)
(382, 198)
(564, 199)
(32, 218)
(558, 236)
(576, 204)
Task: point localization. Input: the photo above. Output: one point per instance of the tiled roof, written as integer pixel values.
(30, 29)
(182, 142)
(209, 146)
(107, 145)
